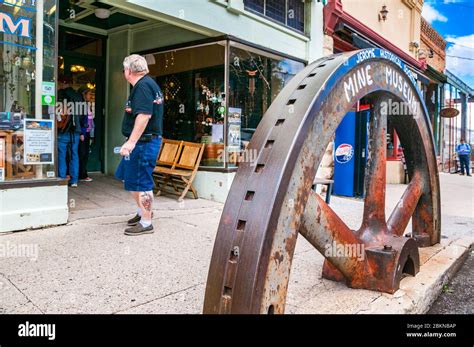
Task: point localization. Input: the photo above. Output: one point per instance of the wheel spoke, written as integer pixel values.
(323, 228)
(402, 213)
(374, 207)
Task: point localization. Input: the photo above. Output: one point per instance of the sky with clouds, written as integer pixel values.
(454, 20)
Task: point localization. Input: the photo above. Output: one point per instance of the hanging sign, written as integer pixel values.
(449, 112)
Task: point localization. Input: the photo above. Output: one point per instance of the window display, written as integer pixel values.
(256, 78)
(197, 108)
(26, 86)
(192, 81)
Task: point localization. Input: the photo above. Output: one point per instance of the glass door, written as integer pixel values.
(86, 79)
(81, 56)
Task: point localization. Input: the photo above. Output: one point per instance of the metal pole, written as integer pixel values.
(450, 158)
(39, 71)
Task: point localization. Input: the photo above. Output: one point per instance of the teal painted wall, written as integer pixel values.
(117, 93)
(121, 44)
(161, 35)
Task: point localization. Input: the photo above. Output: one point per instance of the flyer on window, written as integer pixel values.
(234, 138)
(233, 135)
(39, 140)
(235, 115)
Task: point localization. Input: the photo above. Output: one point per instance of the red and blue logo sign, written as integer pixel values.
(344, 153)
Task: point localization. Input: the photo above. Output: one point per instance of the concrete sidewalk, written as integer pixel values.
(89, 266)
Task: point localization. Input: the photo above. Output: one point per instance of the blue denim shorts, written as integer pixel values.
(137, 170)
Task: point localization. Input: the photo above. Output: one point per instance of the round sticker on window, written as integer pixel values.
(344, 153)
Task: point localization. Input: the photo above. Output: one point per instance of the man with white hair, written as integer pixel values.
(142, 126)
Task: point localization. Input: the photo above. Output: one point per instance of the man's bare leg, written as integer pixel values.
(136, 197)
(142, 225)
(146, 204)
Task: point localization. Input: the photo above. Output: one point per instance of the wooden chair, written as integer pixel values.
(169, 152)
(180, 175)
(168, 157)
(20, 170)
(13, 152)
(8, 153)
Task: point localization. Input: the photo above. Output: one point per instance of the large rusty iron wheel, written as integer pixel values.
(271, 201)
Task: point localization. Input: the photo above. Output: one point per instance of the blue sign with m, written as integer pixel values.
(19, 27)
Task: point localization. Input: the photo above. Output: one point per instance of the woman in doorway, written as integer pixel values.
(87, 135)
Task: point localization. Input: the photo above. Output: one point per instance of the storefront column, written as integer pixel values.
(117, 91)
(39, 71)
(315, 49)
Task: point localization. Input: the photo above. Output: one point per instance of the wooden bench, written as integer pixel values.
(176, 167)
(328, 184)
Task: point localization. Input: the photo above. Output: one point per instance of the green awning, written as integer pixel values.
(435, 75)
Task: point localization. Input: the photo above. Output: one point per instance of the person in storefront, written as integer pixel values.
(69, 131)
(464, 154)
(87, 135)
(142, 125)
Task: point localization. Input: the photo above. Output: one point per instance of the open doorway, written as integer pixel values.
(82, 56)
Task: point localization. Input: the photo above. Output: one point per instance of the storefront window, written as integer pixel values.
(196, 105)
(27, 89)
(255, 80)
(192, 81)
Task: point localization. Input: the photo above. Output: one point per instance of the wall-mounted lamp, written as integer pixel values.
(431, 55)
(414, 46)
(102, 13)
(383, 13)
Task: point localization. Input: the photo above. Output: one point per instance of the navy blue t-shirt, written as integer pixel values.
(145, 98)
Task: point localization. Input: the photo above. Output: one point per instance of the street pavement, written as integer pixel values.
(90, 266)
(457, 296)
